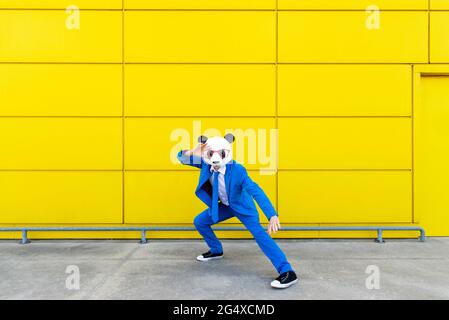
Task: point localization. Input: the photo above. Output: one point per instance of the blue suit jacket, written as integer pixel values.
(239, 187)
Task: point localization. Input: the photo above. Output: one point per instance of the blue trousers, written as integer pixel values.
(203, 223)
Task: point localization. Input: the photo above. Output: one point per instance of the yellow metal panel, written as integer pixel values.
(345, 196)
(149, 196)
(61, 4)
(200, 90)
(43, 36)
(349, 90)
(345, 143)
(60, 90)
(350, 36)
(439, 30)
(353, 4)
(200, 36)
(439, 4)
(61, 197)
(154, 143)
(432, 155)
(200, 4)
(61, 143)
(433, 69)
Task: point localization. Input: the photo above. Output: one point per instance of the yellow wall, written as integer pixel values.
(86, 114)
(431, 150)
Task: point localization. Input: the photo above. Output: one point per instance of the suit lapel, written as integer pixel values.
(206, 174)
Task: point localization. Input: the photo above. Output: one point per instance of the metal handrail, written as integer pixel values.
(143, 230)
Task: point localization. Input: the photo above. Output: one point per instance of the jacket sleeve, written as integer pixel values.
(259, 195)
(192, 161)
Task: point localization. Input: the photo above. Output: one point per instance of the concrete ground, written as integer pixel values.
(167, 269)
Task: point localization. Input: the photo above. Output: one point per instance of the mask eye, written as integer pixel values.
(223, 154)
(210, 153)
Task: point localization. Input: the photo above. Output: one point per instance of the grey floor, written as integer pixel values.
(167, 269)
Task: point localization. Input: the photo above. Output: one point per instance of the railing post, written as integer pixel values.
(379, 236)
(422, 236)
(24, 237)
(143, 237)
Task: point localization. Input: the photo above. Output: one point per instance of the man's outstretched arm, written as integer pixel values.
(192, 157)
(262, 200)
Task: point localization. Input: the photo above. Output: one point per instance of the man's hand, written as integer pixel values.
(198, 151)
(275, 225)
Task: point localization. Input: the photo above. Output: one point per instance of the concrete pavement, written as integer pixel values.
(167, 269)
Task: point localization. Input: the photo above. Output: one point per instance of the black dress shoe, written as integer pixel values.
(209, 256)
(285, 280)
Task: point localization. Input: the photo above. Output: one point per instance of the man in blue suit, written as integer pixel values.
(225, 187)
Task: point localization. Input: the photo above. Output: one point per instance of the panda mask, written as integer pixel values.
(218, 150)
